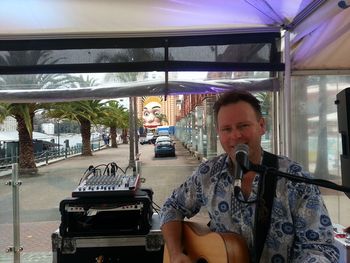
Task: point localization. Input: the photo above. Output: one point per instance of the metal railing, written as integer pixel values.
(49, 155)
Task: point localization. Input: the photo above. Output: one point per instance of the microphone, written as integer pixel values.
(343, 4)
(241, 152)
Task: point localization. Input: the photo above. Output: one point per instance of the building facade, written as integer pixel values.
(9, 124)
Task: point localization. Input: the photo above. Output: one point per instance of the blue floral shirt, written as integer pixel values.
(300, 229)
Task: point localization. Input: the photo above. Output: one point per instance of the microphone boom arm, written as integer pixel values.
(262, 169)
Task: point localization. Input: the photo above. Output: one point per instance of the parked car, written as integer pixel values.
(163, 138)
(154, 138)
(164, 147)
(147, 139)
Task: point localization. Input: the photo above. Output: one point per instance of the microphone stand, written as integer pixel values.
(262, 169)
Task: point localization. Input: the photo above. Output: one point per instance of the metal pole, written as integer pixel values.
(136, 129)
(287, 95)
(58, 138)
(211, 130)
(131, 134)
(16, 249)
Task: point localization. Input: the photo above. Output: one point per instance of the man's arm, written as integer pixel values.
(172, 234)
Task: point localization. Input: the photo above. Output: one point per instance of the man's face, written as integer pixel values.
(238, 123)
(151, 112)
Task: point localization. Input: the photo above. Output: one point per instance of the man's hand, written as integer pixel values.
(180, 258)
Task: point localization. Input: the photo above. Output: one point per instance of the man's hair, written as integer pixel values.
(236, 96)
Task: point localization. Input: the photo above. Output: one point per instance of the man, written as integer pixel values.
(298, 227)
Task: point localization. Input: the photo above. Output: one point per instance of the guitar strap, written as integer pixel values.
(267, 190)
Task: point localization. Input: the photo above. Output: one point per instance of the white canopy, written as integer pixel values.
(320, 38)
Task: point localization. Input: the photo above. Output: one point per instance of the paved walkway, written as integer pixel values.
(39, 201)
(40, 195)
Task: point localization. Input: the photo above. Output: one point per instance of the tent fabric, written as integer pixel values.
(138, 89)
(320, 38)
(326, 47)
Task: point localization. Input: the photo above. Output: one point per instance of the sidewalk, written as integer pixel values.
(39, 202)
(40, 195)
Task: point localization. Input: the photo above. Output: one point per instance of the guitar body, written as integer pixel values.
(203, 245)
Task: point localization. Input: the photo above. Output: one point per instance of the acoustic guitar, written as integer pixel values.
(205, 246)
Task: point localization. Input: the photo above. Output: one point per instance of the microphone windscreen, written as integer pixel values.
(241, 152)
(241, 148)
(343, 4)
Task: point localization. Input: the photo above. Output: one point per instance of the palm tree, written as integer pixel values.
(3, 111)
(130, 55)
(300, 136)
(162, 118)
(84, 112)
(265, 99)
(127, 55)
(24, 112)
(115, 116)
(321, 169)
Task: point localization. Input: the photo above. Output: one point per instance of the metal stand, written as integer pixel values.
(16, 249)
(319, 182)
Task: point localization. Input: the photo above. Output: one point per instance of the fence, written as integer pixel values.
(49, 155)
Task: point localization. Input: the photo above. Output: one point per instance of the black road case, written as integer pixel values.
(119, 248)
(107, 216)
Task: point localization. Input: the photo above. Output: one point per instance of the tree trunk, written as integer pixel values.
(85, 129)
(125, 136)
(113, 134)
(26, 161)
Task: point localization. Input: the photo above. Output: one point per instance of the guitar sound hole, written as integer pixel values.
(202, 260)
